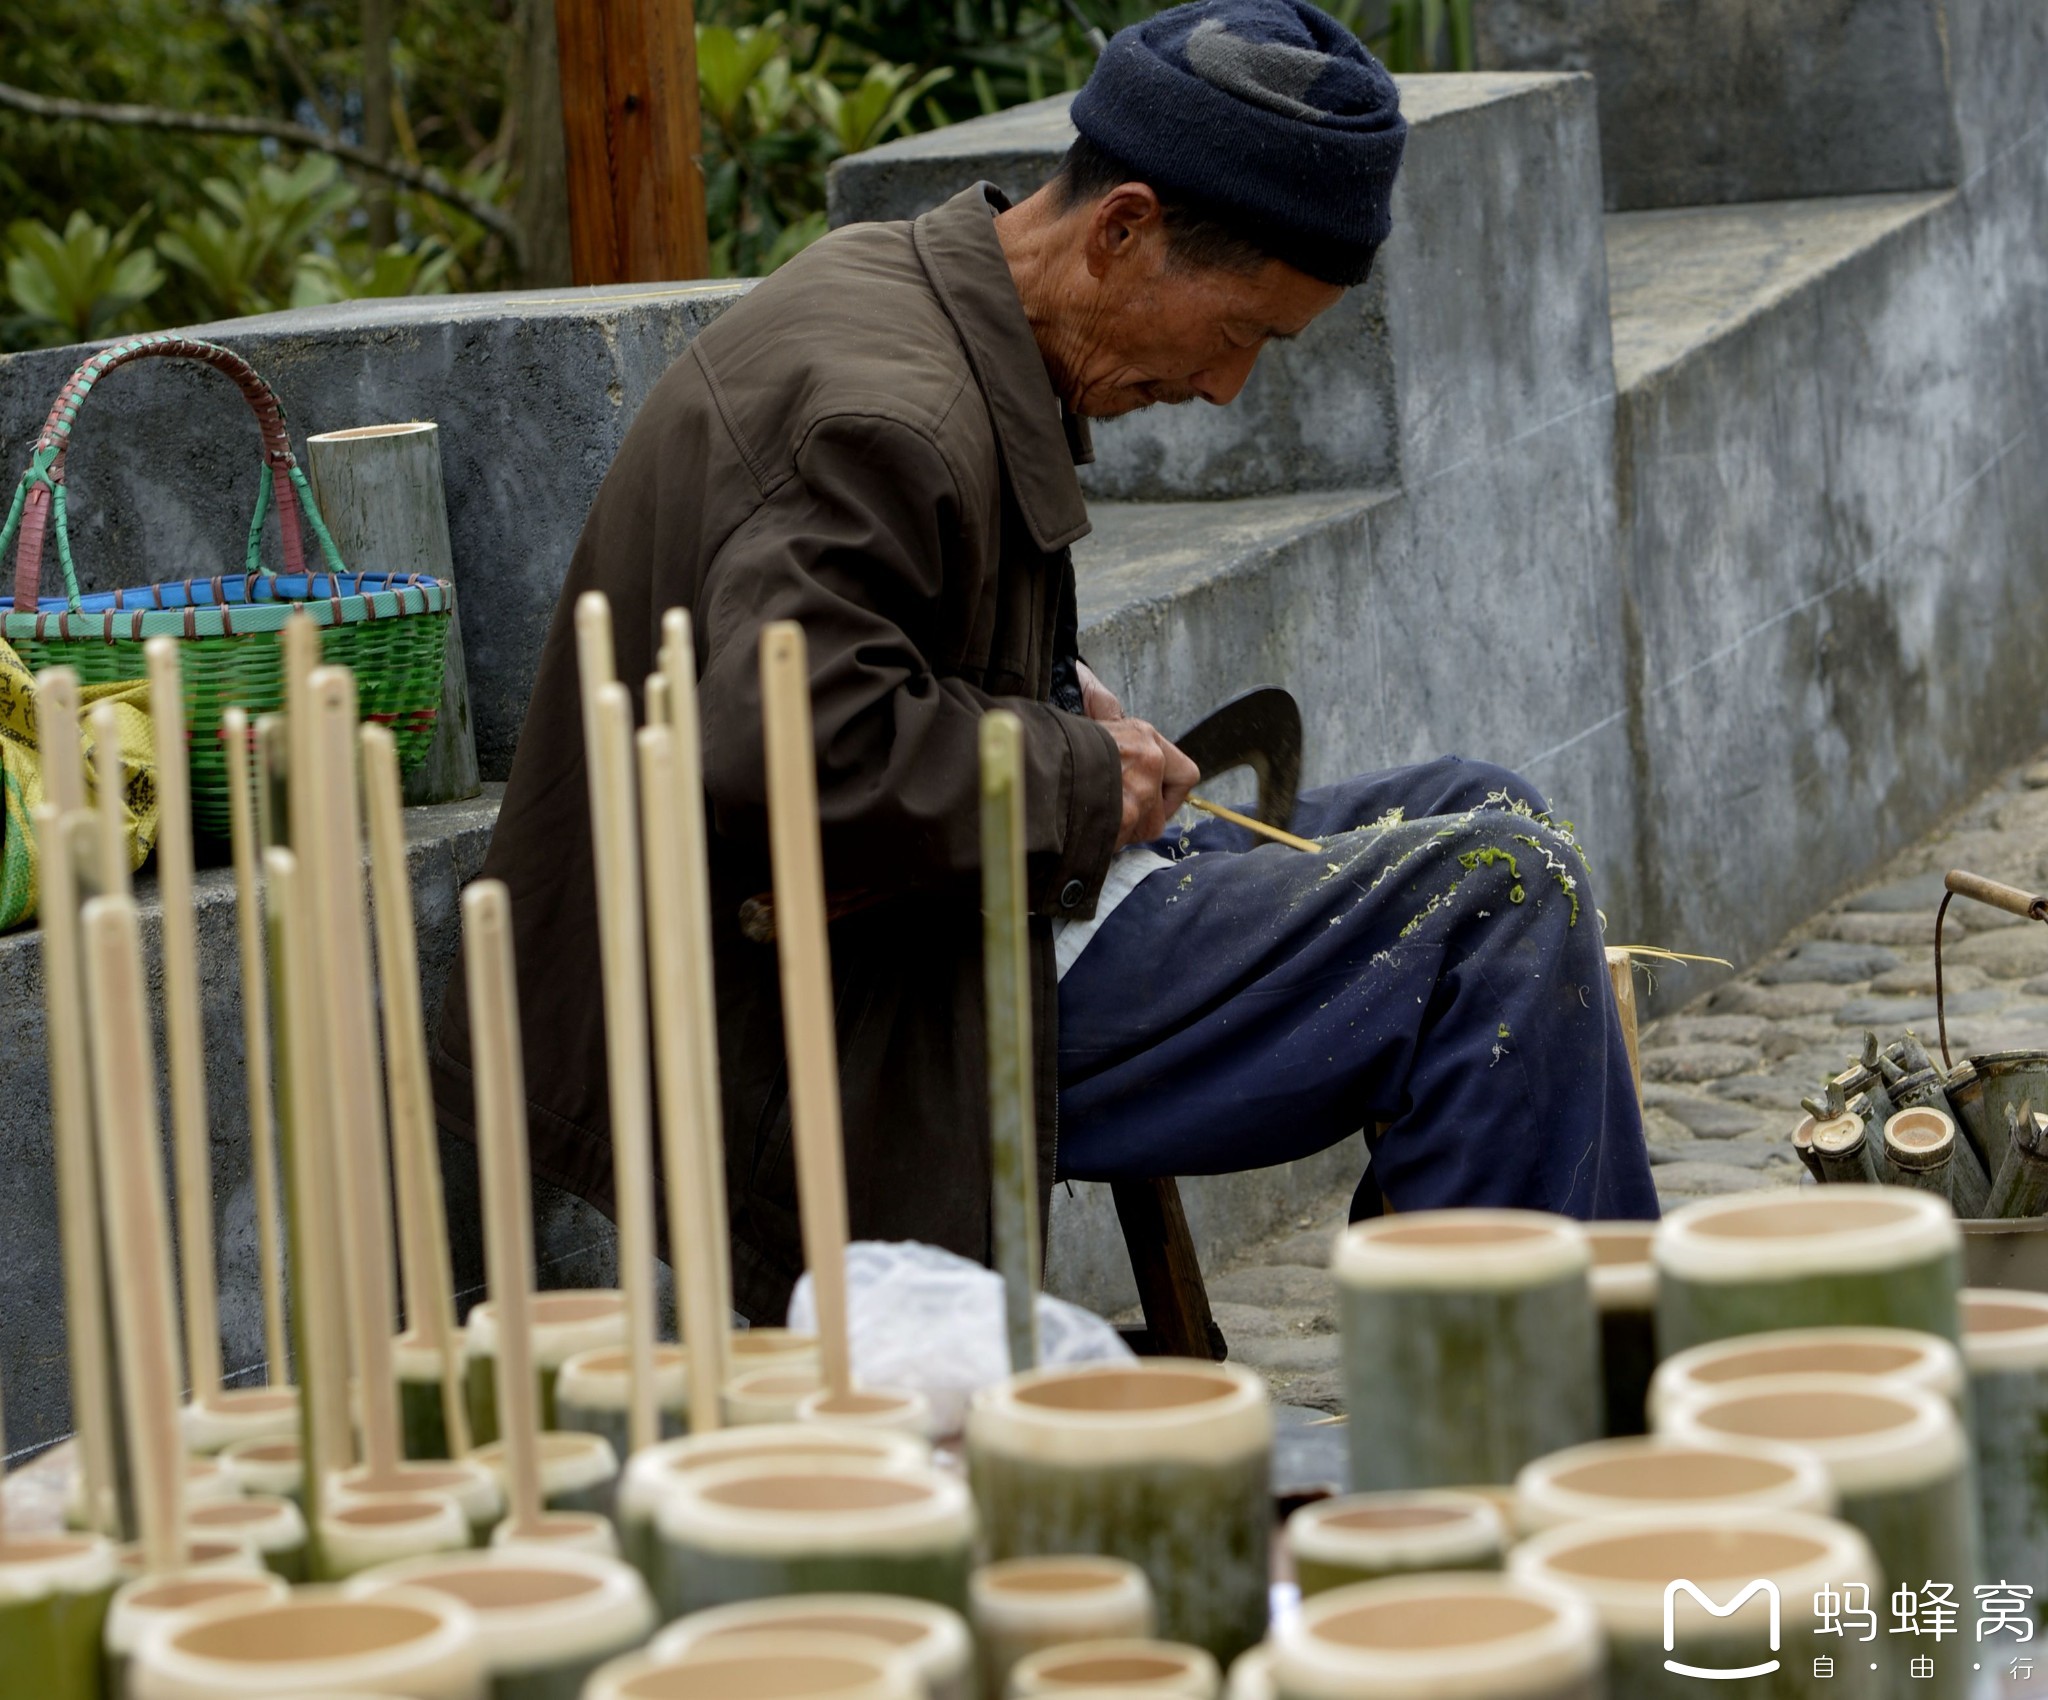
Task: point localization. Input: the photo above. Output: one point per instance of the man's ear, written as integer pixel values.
(1121, 224)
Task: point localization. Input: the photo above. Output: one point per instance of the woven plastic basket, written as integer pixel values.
(390, 628)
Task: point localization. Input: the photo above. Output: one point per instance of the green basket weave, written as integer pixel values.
(390, 629)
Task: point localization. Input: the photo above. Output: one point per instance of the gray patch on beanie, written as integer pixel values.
(1271, 74)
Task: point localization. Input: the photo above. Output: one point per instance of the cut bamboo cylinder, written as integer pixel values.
(768, 1396)
(1625, 1298)
(1454, 1637)
(685, 1055)
(1882, 1354)
(679, 672)
(744, 1667)
(1984, 1089)
(594, 1389)
(53, 1606)
(1250, 1677)
(1362, 1537)
(1845, 1256)
(184, 1596)
(1645, 1582)
(622, 944)
(1470, 1345)
(1843, 1152)
(810, 1036)
(1802, 1145)
(358, 1534)
(1135, 1666)
(2021, 1189)
(234, 731)
(272, 1525)
(1897, 1457)
(508, 1214)
(272, 1467)
(1022, 1604)
(1164, 1462)
(1925, 1150)
(906, 1412)
(931, 1639)
(757, 1529)
(652, 1473)
(1006, 958)
(749, 1349)
(135, 1224)
(410, 1642)
(2005, 1345)
(429, 1283)
(76, 1163)
(1650, 1474)
(184, 1045)
(578, 1472)
(379, 489)
(564, 1323)
(588, 1532)
(546, 1617)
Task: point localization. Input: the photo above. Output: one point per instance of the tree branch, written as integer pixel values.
(422, 178)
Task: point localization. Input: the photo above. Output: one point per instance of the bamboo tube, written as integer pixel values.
(1006, 957)
(1887, 1355)
(234, 726)
(191, 1142)
(423, 1220)
(932, 1639)
(501, 1130)
(615, 843)
(693, 1234)
(1022, 1604)
(1654, 1475)
(1117, 1664)
(57, 739)
(136, 1227)
(808, 1032)
(111, 784)
(85, 1296)
(679, 669)
(1362, 1537)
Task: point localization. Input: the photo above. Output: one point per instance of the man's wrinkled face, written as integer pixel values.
(1149, 327)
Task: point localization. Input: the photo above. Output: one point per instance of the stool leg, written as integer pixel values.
(1178, 1322)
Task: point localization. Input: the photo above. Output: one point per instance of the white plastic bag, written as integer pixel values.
(925, 1320)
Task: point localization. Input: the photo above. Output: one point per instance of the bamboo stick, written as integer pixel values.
(691, 1231)
(1253, 825)
(57, 740)
(355, 1105)
(191, 1141)
(234, 727)
(137, 1229)
(679, 669)
(608, 754)
(1006, 959)
(508, 1214)
(423, 1222)
(111, 783)
(810, 1038)
(1621, 975)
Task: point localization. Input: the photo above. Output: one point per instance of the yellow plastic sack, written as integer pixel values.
(23, 775)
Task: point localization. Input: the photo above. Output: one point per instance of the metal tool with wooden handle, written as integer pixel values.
(1996, 894)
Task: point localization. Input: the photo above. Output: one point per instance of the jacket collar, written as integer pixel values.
(1039, 440)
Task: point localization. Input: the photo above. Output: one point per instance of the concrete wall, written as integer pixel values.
(1746, 100)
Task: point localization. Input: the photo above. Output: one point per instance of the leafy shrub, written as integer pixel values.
(83, 284)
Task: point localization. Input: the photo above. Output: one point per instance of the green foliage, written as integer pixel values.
(396, 270)
(79, 285)
(243, 252)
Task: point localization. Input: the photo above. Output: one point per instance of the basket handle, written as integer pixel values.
(40, 495)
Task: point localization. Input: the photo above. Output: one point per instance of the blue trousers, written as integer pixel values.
(1435, 977)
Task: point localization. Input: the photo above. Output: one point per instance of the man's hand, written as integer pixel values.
(1098, 701)
(1157, 779)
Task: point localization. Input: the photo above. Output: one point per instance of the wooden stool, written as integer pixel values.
(1178, 1321)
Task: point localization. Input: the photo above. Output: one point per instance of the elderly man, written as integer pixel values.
(880, 442)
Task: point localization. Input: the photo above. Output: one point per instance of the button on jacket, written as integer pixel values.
(866, 443)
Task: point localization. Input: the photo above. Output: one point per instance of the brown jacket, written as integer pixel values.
(867, 443)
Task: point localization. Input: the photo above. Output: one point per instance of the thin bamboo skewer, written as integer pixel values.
(107, 805)
(57, 739)
(191, 1142)
(608, 754)
(61, 836)
(356, 1107)
(691, 1231)
(679, 670)
(324, 1448)
(508, 1212)
(136, 1224)
(234, 729)
(809, 1036)
(1254, 825)
(1007, 969)
(429, 1277)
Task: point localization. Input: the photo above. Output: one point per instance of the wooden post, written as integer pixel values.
(379, 489)
(630, 125)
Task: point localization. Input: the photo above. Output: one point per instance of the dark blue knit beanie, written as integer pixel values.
(1266, 109)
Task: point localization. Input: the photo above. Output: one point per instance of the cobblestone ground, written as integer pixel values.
(1722, 1078)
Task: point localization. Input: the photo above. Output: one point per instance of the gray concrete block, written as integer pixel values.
(1746, 100)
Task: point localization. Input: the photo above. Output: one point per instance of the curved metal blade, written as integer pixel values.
(1261, 730)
